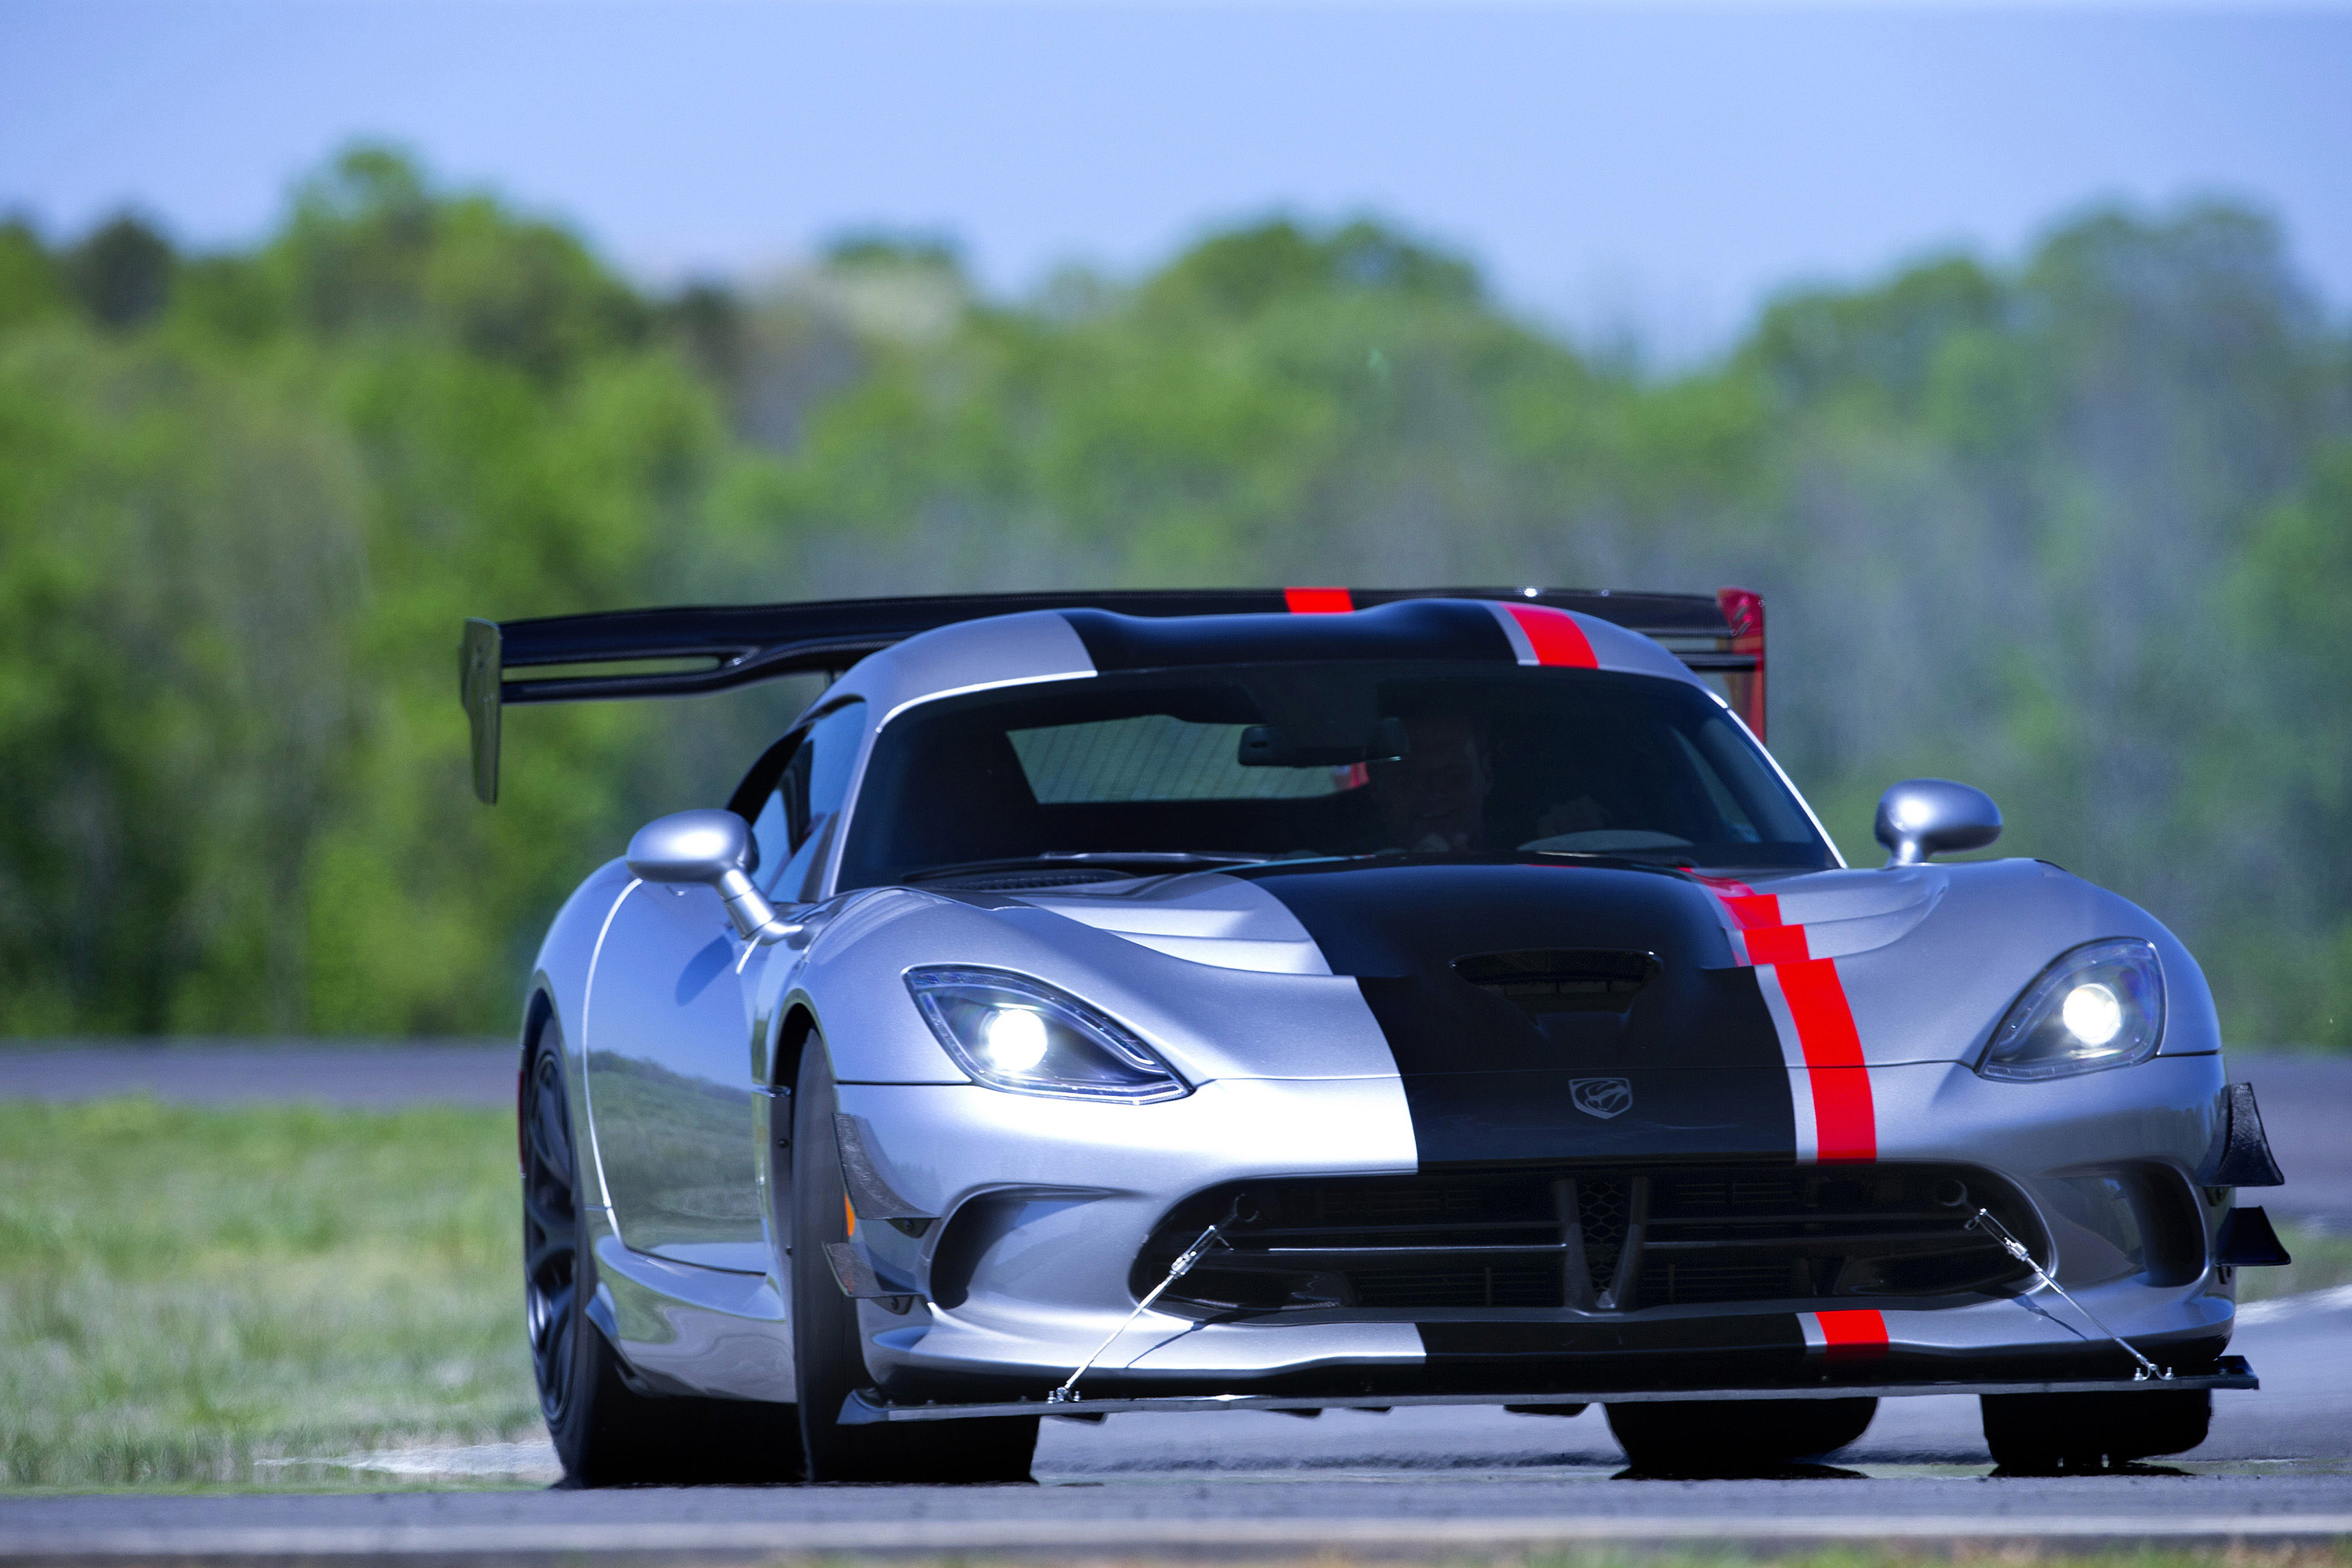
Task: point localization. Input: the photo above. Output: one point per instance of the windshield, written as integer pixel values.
(1321, 760)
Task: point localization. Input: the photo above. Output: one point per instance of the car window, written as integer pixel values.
(795, 826)
(1328, 760)
(1157, 756)
(772, 843)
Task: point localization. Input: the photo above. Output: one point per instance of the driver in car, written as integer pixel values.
(1433, 799)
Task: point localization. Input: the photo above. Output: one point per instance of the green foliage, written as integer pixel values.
(1246, 272)
(190, 1292)
(122, 273)
(239, 542)
(32, 281)
(2072, 528)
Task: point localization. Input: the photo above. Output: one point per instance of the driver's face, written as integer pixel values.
(1434, 797)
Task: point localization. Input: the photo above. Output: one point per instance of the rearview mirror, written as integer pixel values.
(714, 849)
(1271, 746)
(1920, 817)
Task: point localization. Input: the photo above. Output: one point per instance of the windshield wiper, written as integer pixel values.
(1153, 859)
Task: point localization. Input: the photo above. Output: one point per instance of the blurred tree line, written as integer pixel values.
(2077, 530)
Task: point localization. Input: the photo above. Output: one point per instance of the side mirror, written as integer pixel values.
(1920, 817)
(712, 849)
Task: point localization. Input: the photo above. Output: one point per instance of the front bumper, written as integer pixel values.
(1045, 1206)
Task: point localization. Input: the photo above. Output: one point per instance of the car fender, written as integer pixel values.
(1208, 1021)
(560, 975)
(1936, 989)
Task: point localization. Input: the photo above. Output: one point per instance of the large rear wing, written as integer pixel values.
(688, 651)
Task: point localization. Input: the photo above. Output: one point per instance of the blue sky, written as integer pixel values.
(1609, 166)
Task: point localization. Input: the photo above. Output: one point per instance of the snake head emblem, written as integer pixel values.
(1601, 1097)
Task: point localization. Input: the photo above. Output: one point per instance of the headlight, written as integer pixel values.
(1012, 1033)
(2101, 1005)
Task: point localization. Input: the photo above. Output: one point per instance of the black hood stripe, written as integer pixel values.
(1688, 1064)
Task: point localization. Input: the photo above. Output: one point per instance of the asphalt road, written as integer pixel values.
(1411, 1483)
(365, 1074)
(1359, 1517)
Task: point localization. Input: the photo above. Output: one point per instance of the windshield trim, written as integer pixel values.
(1787, 783)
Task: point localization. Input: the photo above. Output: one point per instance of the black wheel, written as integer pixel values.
(828, 1351)
(606, 1433)
(2053, 1433)
(1729, 1437)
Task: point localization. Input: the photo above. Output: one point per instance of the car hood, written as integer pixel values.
(1531, 1008)
(1395, 916)
(1927, 957)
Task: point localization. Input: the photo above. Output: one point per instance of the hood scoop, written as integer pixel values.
(1545, 981)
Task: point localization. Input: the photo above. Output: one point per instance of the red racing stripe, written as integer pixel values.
(1857, 1335)
(1555, 635)
(1319, 600)
(1775, 945)
(1845, 1122)
(1845, 1116)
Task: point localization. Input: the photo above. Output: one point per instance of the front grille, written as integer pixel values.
(1595, 1240)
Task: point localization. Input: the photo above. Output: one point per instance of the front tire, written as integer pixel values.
(605, 1433)
(1733, 1437)
(828, 1351)
(2070, 1434)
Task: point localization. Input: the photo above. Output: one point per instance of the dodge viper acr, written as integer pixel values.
(1238, 1000)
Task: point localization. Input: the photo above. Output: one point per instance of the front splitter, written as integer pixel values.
(866, 1408)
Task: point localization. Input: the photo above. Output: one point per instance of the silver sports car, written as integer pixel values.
(1287, 1000)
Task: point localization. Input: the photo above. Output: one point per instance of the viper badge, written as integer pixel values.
(1601, 1097)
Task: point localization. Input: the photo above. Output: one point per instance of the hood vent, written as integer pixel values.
(1545, 981)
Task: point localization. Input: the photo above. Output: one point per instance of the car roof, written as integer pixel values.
(1074, 644)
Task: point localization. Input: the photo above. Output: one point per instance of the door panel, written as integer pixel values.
(669, 1082)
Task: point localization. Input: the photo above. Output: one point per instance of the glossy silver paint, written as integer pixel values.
(711, 849)
(683, 1039)
(1921, 817)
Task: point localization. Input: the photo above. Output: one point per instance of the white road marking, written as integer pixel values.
(526, 1461)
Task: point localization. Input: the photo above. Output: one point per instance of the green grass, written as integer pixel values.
(185, 1292)
(2322, 1259)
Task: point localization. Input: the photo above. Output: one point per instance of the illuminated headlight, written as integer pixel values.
(1012, 1033)
(2101, 1005)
